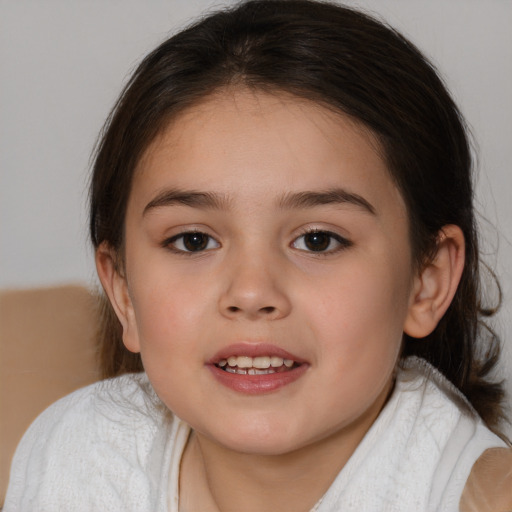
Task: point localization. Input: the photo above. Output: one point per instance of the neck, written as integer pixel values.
(217, 479)
(294, 481)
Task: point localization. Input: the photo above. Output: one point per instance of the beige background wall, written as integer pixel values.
(62, 63)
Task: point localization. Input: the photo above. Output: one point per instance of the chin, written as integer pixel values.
(268, 440)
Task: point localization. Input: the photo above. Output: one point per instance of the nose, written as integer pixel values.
(255, 289)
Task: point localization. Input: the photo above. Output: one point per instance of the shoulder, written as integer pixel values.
(111, 400)
(103, 431)
(106, 408)
(456, 439)
(489, 486)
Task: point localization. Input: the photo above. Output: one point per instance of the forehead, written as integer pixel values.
(238, 139)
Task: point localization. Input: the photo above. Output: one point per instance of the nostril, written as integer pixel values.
(265, 310)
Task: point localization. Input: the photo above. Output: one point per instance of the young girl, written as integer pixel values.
(281, 207)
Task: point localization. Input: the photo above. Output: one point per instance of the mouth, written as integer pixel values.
(256, 368)
(260, 365)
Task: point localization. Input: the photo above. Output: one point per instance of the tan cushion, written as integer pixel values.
(47, 350)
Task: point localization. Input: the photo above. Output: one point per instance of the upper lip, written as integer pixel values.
(249, 349)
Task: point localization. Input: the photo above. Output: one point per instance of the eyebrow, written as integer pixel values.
(295, 200)
(331, 196)
(194, 199)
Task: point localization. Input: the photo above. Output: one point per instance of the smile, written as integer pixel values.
(261, 365)
(255, 369)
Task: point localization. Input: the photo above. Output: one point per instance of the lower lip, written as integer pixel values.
(257, 384)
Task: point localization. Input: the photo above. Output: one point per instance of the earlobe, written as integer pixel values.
(114, 283)
(435, 286)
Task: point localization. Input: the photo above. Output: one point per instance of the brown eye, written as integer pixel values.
(321, 242)
(193, 241)
(317, 241)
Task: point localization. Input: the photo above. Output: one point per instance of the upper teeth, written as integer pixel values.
(260, 362)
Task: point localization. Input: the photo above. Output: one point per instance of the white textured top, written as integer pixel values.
(418, 454)
(113, 446)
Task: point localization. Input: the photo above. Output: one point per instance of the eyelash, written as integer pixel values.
(170, 243)
(342, 243)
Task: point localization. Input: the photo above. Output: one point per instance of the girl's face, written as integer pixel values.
(268, 272)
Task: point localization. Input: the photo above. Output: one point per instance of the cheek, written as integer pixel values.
(359, 312)
(168, 325)
(168, 312)
(358, 327)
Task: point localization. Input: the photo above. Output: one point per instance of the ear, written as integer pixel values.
(115, 285)
(436, 284)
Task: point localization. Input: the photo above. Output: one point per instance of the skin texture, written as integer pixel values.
(489, 487)
(341, 311)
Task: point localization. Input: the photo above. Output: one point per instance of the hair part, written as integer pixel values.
(355, 65)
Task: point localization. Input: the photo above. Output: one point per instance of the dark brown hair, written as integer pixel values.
(353, 64)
